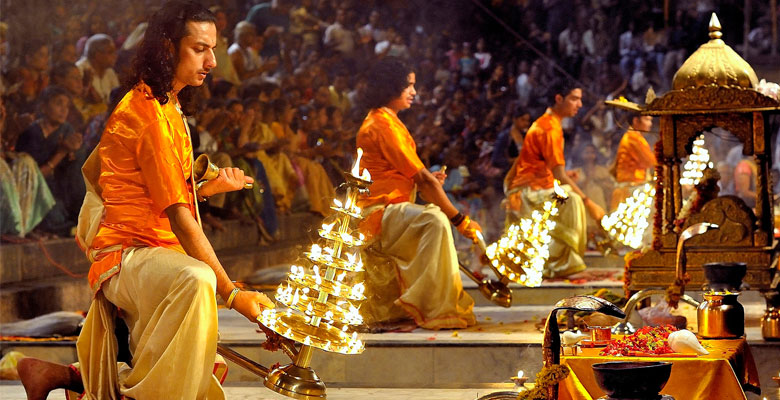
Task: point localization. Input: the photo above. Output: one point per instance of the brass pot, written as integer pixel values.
(721, 316)
(770, 324)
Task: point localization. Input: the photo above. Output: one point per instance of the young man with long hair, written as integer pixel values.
(152, 264)
(418, 238)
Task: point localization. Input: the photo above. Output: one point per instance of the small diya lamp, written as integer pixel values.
(519, 380)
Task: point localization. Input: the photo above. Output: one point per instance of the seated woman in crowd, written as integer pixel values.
(59, 152)
(85, 103)
(24, 195)
(318, 186)
(282, 176)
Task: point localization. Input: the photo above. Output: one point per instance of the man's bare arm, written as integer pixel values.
(197, 246)
(431, 191)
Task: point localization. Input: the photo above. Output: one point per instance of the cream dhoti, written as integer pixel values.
(569, 237)
(168, 301)
(423, 278)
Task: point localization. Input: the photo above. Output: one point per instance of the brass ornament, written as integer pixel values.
(715, 63)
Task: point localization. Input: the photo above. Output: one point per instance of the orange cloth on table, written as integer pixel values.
(634, 157)
(718, 375)
(390, 155)
(542, 151)
(145, 166)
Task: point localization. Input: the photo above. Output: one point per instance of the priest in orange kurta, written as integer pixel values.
(152, 265)
(531, 180)
(422, 281)
(634, 157)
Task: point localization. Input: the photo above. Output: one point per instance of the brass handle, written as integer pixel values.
(204, 170)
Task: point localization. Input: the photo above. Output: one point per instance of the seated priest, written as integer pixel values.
(634, 157)
(530, 183)
(421, 279)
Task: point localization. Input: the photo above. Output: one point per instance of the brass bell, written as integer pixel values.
(204, 170)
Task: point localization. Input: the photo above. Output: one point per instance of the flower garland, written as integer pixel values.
(675, 291)
(658, 218)
(546, 378)
(646, 340)
(627, 260)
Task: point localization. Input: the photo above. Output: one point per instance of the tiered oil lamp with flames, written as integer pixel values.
(320, 299)
(697, 162)
(627, 224)
(519, 255)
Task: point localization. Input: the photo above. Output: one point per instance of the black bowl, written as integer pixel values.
(632, 380)
(724, 276)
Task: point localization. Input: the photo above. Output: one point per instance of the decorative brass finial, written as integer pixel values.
(714, 64)
(715, 32)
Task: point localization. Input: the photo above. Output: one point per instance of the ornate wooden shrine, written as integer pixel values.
(715, 87)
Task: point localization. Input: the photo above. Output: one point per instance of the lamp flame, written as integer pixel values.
(328, 227)
(356, 168)
(559, 192)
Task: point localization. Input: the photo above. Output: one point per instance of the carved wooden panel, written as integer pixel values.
(711, 99)
(689, 127)
(735, 219)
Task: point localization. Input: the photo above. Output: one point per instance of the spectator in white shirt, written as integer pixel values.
(483, 56)
(96, 65)
(338, 38)
(371, 31)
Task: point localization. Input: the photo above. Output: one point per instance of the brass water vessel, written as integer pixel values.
(770, 324)
(721, 316)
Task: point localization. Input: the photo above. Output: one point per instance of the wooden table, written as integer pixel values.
(720, 375)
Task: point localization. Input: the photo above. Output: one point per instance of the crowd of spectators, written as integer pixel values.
(284, 102)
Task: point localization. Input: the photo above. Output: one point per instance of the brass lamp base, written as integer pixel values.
(296, 382)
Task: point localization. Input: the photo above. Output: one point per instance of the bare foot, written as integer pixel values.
(41, 377)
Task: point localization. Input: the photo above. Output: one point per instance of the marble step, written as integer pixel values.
(13, 390)
(503, 342)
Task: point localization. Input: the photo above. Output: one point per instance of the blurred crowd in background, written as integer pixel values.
(284, 102)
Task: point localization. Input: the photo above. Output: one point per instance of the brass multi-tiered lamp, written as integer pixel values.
(519, 255)
(321, 299)
(627, 224)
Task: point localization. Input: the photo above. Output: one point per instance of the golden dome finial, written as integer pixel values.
(715, 27)
(714, 63)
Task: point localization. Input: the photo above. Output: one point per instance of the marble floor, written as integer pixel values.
(15, 391)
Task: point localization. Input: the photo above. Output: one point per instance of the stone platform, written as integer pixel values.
(462, 364)
(15, 391)
(504, 341)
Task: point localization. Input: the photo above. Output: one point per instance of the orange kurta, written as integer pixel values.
(542, 151)
(390, 155)
(634, 157)
(145, 167)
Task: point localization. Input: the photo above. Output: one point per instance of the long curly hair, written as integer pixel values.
(155, 63)
(386, 81)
